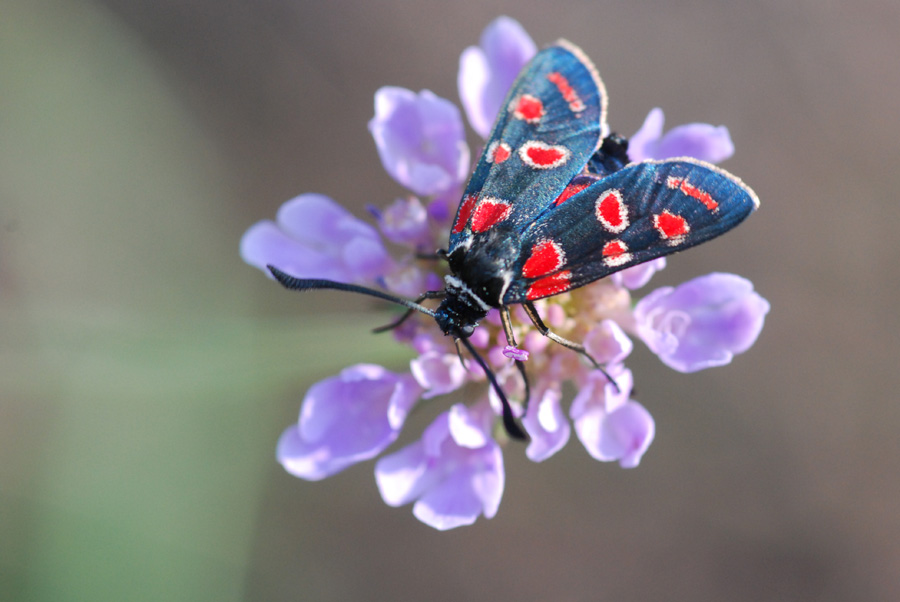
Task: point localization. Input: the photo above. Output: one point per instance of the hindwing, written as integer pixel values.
(641, 212)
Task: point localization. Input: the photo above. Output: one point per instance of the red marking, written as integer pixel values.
(498, 152)
(465, 210)
(570, 191)
(610, 209)
(615, 253)
(671, 227)
(568, 93)
(546, 257)
(529, 108)
(549, 285)
(543, 156)
(692, 191)
(489, 213)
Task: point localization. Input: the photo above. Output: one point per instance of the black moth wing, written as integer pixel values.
(641, 212)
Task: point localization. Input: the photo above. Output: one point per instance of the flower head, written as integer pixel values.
(454, 473)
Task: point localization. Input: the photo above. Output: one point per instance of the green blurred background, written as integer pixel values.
(146, 372)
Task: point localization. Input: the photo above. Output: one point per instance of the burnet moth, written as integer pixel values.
(554, 204)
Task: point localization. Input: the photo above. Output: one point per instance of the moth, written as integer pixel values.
(554, 204)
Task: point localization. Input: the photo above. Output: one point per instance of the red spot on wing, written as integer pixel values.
(549, 285)
(529, 108)
(498, 152)
(611, 211)
(615, 253)
(568, 93)
(543, 156)
(465, 210)
(489, 213)
(546, 257)
(571, 190)
(671, 227)
(692, 191)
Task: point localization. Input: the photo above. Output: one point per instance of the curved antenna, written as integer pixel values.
(509, 421)
(310, 284)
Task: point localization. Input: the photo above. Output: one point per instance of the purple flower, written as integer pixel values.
(405, 221)
(314, 237)
(635, 277)
(486, 72)
(609, 424)
(607, 343)
(546, 425)
(698, 140)
(701, 323)
(454, 472)
(420, 140)
(438, 373)
(346, 419)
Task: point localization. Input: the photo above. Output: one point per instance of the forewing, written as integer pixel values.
(641, 212)
(551, 123)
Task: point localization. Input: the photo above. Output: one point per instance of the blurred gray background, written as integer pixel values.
(146, 372)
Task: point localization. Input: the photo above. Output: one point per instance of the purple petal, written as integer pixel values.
(546, 425)
(609, 424)
(403, 475)
(420, 140)
(642, 143)
(625, 434)
(607, 343)
(597, 392)
(406, 280)
(486, 73)
(702, 323)
(314, 237)
(346, 419)
(453, 484)
(405, 222)
(438, 373)
(698, 140)
(635, 277)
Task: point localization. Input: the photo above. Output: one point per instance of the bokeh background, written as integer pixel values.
(146, 372)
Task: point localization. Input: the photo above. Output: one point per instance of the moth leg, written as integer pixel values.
(409, 312)
(511, 340)
(459, 354)
(531, 310)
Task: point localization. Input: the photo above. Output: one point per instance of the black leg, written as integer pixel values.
(531, 310)
(511, 340)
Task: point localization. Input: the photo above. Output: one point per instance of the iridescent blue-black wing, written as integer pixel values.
(551, 123)
(641, 212)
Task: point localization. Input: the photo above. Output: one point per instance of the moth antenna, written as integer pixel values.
(409, 312)
(309, 284)
(509, 420)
